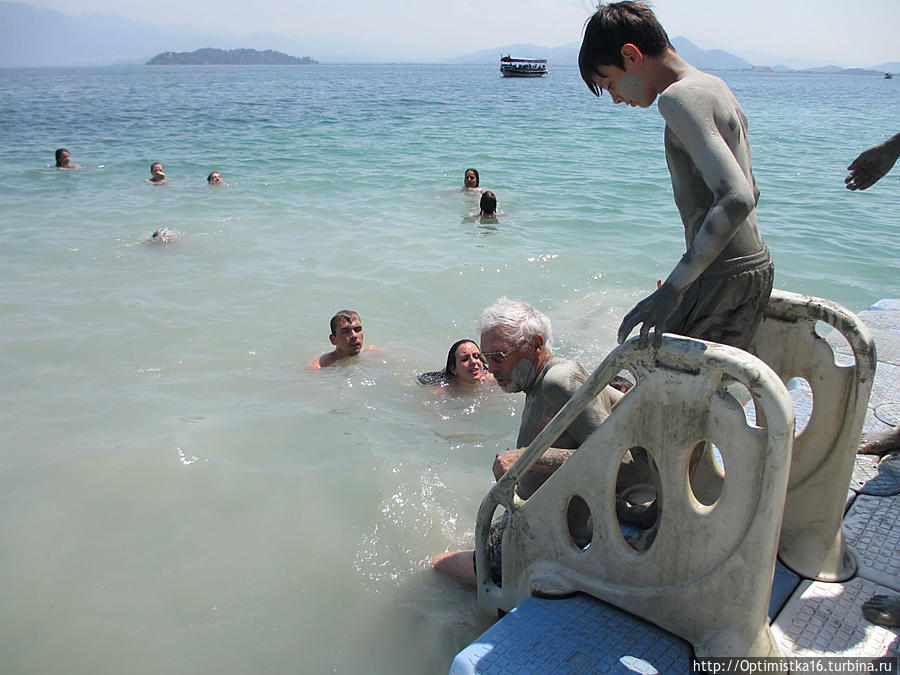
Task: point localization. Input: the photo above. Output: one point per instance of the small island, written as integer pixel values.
(232, 57)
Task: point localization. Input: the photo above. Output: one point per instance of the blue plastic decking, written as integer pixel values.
(809, 618)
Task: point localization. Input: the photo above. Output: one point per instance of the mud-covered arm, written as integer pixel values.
(692, 121)
(872, 164)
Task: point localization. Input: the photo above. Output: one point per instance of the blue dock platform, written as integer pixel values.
(581, 634)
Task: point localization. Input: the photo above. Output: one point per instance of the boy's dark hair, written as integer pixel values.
(342, 316)
(612, 26)
(488, 202)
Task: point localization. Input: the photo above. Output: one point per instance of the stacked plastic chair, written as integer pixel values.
(812, 543)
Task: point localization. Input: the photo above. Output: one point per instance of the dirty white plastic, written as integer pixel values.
(706, 577)
(812, 543)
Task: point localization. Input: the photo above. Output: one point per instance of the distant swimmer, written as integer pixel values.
(215, 178)
(465, 366)
(162, 236)
(488, 205)
(63, 161)
(347, 338)
(471, 180)
(157, 175)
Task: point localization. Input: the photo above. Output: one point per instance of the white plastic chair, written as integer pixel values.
(812, 543)
(706, 576)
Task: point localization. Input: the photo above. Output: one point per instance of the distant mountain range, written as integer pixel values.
(705, 59)
(714, 59)
(32, 36)
(233, 57)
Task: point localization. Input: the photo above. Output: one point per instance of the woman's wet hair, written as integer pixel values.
(488, 203)
(477, 178)
(59, 156)
(448, 374)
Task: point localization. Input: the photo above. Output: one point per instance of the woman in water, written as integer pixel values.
(63, 161)
(471, 180)
(465, 366)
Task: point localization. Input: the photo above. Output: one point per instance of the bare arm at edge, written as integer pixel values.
(872, 164)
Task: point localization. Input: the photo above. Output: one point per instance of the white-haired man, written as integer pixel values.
(515, 341)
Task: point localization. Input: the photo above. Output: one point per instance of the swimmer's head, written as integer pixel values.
(163, 236)
(488, 203)
(346, 333)
(214, 177)
(471, 178)
(156, 172)
(62, 157)
(609, 29)
(464, 362)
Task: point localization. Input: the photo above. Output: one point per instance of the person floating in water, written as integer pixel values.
(465, 366)
(347, 338)
(157, 175)
(162, 236)
(471, 180)
(63, 160)
(720, 287)
(215, 178)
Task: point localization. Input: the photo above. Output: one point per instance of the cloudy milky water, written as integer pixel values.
(178, 492)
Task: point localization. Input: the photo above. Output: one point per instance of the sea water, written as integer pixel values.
(179, 493)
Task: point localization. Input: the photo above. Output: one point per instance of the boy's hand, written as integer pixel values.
(651, 312)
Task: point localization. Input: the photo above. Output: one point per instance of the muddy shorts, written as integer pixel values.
(726, 303)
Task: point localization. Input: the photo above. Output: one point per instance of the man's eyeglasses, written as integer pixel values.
(500, 357)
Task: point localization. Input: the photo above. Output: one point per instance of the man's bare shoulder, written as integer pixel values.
(563, 377)
(323, 361)
(330, 358)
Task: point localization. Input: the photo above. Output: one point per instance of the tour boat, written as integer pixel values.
(512, 66)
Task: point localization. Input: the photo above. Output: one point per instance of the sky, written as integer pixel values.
(840, 32)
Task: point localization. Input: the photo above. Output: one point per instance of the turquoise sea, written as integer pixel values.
(178, 492)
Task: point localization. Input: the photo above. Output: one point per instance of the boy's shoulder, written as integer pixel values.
(697, 92)
(696, 85)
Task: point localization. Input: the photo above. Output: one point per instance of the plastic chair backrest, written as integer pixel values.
(707, 574)
(812, 543)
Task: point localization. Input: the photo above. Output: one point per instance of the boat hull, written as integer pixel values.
(515, 73)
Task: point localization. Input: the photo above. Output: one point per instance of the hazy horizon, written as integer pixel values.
(824, 31)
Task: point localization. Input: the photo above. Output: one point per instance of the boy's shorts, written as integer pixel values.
(726, 303)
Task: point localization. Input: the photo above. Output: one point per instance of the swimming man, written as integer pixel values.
(157, 175)
(347, 338)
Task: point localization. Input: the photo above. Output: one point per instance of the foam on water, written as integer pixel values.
(177, 490)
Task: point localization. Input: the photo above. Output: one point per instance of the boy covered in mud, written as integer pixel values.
(720, 287)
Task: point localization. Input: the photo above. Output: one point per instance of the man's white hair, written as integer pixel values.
(516, 320)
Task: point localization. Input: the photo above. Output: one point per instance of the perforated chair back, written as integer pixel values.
(812, 543)
(707, 574)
